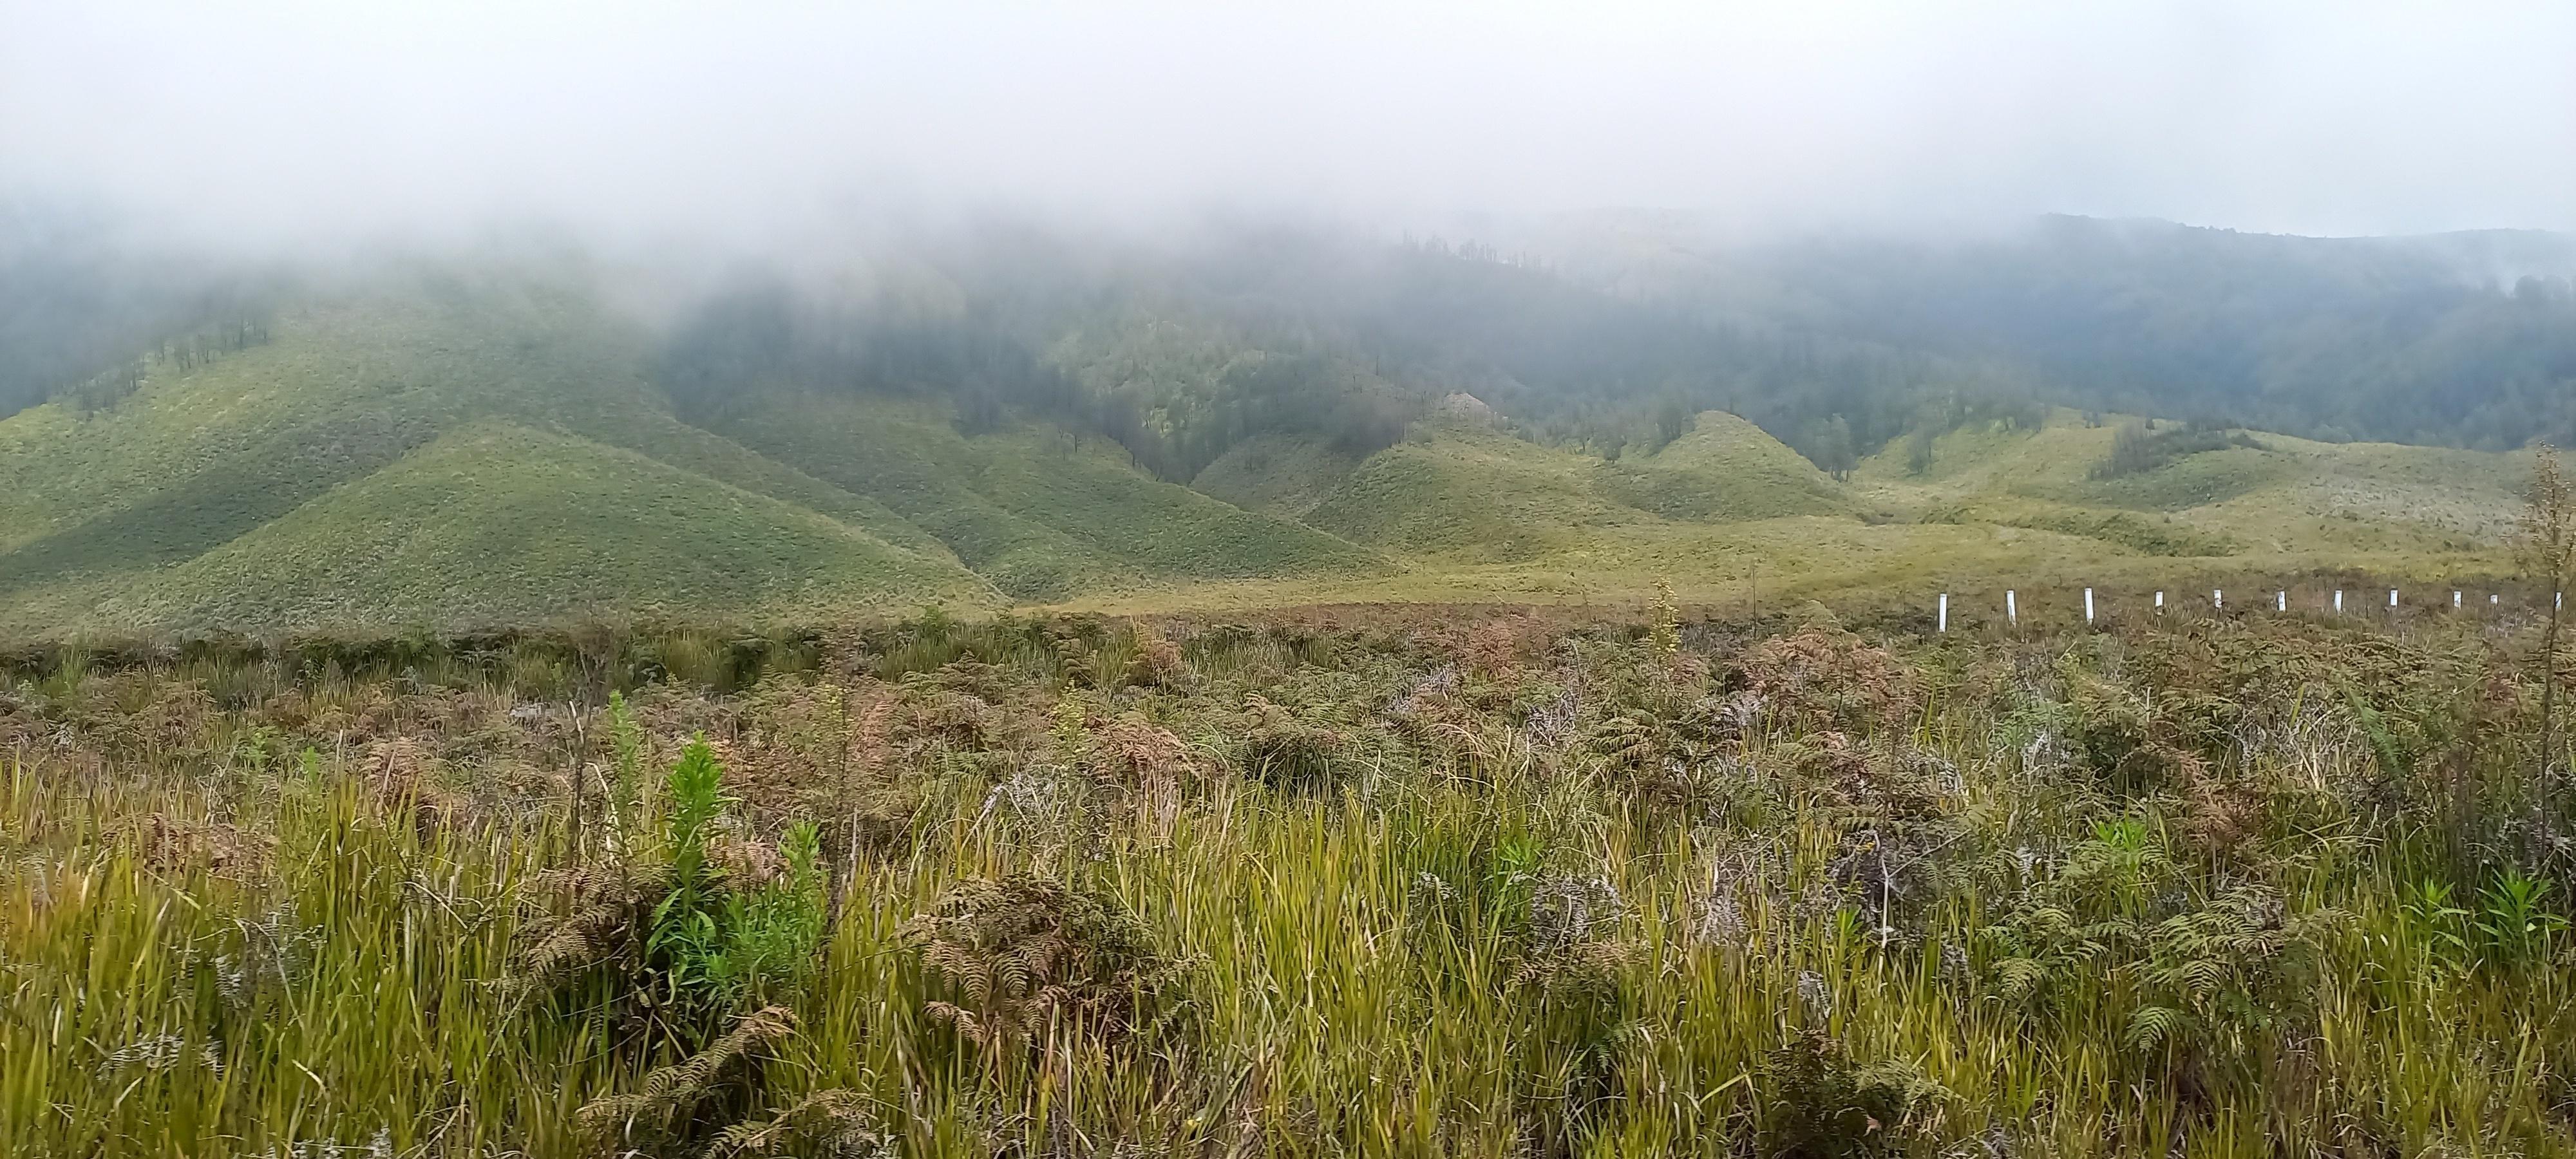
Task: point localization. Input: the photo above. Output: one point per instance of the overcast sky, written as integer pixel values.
(333, 117)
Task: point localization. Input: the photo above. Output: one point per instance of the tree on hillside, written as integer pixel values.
(1829, 446)
(2133, 449)
(1918, 449)
(2549, 556)
(1672, 421)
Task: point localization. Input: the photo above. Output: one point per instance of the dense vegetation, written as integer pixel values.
(2460, 339)
(1835, 346)
(84, 316)
(1402, 885)
(1605, 332)
(991, 417)
(2140, 448)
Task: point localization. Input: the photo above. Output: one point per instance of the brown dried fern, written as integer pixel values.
(838, 1121)
(669, 1091)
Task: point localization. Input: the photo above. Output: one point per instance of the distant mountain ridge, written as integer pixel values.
(1256, 420)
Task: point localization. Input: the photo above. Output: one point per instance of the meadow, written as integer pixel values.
(1635, 880)
(424, 455)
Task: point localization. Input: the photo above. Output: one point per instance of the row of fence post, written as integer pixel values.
(2217, 602)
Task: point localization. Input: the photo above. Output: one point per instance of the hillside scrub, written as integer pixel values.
(1397, 884)
(2138, 448)
(520, 451)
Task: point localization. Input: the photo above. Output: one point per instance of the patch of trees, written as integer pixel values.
(765, 336)
(2139, 447)
(171, 353)
(2425, 340)
(985, 359)
(1837, 347)
(85, 319)
(1571, 364)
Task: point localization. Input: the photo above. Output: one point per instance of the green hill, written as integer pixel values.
(1723, 469)
(445, 451)
(1464, 490)
(1045, 513)
(496, 524)
(1285, 475)
(195, 458)
(2280, 495)
(147, 504)
(1474, 494)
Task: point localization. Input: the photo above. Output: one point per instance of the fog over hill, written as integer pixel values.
(1856, 220)
(1001, 413)
(1587, 330)
(904, 304)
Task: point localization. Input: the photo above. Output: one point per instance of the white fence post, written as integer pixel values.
(2217, 600)
(2088, 605)
(2160, 601)
(2338, 601)
(2281, 600)
(2455, 599)
(2012, 614)
(1945, 612)
(2392, 597)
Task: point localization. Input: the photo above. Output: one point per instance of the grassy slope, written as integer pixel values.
(525, 514)
(1491, 519)
(1043, 514)
(1484, 516)
(93, 505)
(1723, 469)
(1285, 475)
(199, 457)
(1473, 495)
(1470, 494)
(2371, 504)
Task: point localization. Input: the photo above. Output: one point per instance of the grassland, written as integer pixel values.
(1467, 797)
(523, 512)
(1287, 475)
(190, 503)
(1394, 883)
(1045, 513)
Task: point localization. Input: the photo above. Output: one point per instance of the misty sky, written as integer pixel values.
(273, 120)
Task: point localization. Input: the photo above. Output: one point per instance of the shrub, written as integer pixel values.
(2136, 450)
(675, 938)
(1819, 1104)
(1027, 958)
(1284, 752)
(1819, 680)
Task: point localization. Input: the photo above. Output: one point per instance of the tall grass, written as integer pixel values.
(2203, 888)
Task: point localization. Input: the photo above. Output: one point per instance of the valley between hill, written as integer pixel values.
(459, 456)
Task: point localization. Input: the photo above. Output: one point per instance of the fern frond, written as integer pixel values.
(2153, 1026)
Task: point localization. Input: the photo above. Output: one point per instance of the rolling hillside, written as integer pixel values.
(1045, 513)
(438, 451)
(2285, 496)
(538, 527)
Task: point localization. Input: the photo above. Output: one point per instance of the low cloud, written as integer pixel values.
(316, 121)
